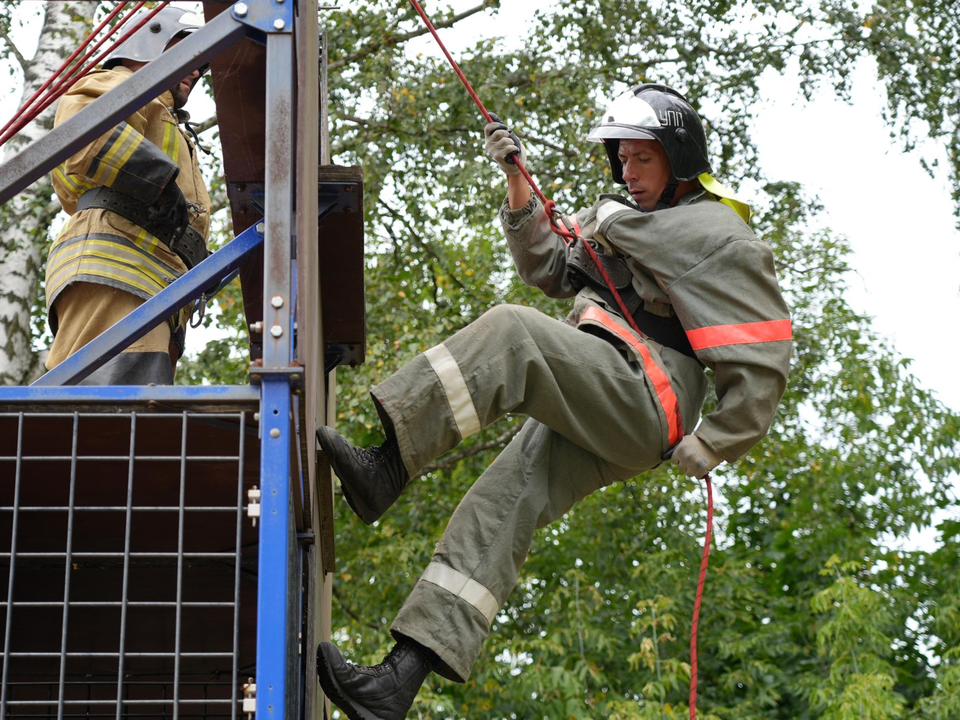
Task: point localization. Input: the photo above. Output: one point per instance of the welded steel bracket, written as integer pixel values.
(273, 16)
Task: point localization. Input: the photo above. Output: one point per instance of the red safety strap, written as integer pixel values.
(549, 206)
(661, 383)
(568, 236)
(699, 597)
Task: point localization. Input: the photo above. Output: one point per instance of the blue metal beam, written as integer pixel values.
(274, 581)
(128, 394)
(155, 310)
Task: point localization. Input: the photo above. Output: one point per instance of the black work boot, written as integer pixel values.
(372, 478)
(380, 692)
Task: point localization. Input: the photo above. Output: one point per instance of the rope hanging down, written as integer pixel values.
(568, 236)
(27, 114)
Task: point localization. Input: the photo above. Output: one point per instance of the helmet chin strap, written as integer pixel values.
(666, 198)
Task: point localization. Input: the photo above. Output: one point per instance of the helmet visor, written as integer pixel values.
(627, 117)
(619, 132)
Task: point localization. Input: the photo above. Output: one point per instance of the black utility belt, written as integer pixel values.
(189, 245)
(667, 331)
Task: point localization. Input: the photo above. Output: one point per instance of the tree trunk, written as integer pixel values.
(25, 220)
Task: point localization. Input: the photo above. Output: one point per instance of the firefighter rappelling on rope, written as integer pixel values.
(667, 283)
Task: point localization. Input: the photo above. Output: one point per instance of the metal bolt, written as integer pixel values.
(276, 331)
(275, 433)
(240, 9)
(279, 24)
(256, 328)
(256, 417)
(261, 228)
(277, 302)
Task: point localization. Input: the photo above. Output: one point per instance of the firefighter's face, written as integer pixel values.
(646, 171)
(181, 91)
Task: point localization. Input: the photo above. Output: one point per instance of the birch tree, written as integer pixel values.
(25, 220)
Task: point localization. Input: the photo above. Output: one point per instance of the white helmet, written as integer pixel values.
(149, 42)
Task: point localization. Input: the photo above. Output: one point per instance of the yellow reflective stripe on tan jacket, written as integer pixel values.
(150, 269)
(171, 141)
(110, 258)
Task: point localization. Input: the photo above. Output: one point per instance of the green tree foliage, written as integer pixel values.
(812, 609)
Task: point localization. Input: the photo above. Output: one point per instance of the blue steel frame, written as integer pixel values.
(280, 558)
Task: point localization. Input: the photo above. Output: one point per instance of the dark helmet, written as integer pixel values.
(147, 43)
(655, 112)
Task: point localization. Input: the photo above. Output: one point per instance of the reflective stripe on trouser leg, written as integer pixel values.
(458, 395)
(516, 359)
(455, 582)
(535, 480)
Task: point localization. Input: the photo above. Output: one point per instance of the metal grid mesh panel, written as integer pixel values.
(128, 567)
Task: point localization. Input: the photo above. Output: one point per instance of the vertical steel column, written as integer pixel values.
(274, 624)
(13, 563)
(67, 565)
(178, 623)
(126, 566)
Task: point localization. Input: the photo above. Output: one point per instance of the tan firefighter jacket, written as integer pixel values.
(138, 157)
(701, 262)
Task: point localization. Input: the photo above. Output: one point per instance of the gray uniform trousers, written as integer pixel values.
(594, 420)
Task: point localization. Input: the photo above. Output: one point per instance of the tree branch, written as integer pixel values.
(397, 39)
(395, 214)
(351, 613)
(382, 127)
(452, 459)
(202, 127)
(14, 49)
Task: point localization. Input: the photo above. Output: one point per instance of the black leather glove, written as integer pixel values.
(168, 215)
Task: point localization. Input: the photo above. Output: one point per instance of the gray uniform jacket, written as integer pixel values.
(701, 262)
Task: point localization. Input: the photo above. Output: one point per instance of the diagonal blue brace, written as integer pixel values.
(155, 310)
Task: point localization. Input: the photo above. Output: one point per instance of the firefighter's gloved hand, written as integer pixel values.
(502, 145)
(694, 457)
(169, 213)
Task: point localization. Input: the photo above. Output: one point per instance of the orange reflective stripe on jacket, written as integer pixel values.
(661, 383)
(742, 334)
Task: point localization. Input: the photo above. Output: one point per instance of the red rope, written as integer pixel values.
(74, 77)
(696, 603)
(550, 208)
(63, 66)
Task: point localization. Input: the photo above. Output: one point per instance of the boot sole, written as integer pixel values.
(360, 508)
(332, 690)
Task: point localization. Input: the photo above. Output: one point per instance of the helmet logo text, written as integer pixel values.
(671, 118)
